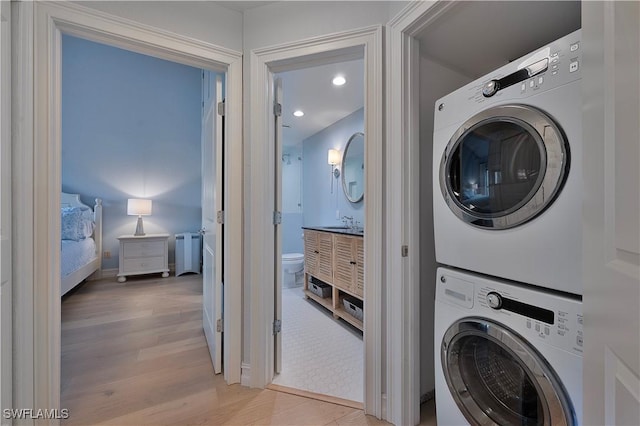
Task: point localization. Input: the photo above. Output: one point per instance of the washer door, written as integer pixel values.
(497, 378)
(504, 166)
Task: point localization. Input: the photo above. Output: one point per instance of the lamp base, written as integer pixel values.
(139, 228)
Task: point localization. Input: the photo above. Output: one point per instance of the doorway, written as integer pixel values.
(340, 47)
(38, 180)
(322, 108)
(138, 127)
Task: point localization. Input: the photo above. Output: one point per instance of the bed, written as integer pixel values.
(81, 240)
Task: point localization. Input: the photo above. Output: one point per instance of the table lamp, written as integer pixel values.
(138, 207)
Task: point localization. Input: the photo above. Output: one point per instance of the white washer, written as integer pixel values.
(506, 354)
(507, 171)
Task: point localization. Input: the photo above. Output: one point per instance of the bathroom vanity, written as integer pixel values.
(335, 256)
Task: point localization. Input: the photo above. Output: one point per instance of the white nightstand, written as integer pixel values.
(144, 254)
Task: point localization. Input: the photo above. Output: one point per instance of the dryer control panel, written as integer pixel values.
(549, 67)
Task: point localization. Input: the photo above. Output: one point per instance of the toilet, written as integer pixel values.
(292, 266)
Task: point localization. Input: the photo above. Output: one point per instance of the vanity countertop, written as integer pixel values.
(359, 232)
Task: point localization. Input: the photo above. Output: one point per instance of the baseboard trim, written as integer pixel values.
(383, 411)
(104, 273)
(245, 375)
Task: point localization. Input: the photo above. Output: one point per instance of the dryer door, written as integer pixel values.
(497, 378)
(504, 166)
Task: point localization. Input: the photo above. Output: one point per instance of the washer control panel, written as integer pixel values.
(554, 319)
(536, 314)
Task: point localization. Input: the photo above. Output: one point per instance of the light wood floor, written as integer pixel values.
(134, 353)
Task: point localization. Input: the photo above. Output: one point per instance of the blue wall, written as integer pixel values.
(319, 204)
(131, 129)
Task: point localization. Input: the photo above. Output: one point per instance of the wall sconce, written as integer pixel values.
(334, 158)
(139, 207)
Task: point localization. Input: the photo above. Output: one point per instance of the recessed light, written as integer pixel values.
(298, 113)
(339, 80)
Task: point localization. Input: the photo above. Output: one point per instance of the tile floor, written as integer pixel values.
(319, 354)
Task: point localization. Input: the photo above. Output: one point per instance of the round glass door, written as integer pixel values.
(496, 378)
(504, 166)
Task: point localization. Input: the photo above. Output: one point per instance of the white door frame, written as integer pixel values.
(403, 209)
(37, 178)
(6, 302)
(265, 62)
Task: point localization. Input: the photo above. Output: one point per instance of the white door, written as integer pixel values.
(611, 212)
(277, 123)
(5, 208)
(212, 208)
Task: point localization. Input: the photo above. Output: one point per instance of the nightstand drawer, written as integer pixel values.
(143, 249)
(144, 264)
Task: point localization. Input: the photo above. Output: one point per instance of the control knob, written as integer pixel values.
(494, 300)
(490, 88)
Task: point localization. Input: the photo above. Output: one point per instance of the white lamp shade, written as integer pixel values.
(138, 207)
(333, 157)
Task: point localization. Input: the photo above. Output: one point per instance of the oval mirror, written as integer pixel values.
(353, 168)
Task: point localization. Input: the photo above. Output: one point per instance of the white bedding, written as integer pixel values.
(76, 254)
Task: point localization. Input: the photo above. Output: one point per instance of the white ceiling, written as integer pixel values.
(241, 6)
(470, 36)
(311, 91)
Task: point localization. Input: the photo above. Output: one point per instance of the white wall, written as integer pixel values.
(201, 20)
(435, 82)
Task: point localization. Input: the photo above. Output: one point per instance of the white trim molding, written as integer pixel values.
(6, 290)
(366, 43)
(403, 209)
(37, 178)
(245, 377)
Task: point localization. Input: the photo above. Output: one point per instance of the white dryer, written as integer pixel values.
(507, 171)
(506, 354)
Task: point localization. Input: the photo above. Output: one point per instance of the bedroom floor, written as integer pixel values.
(134, 353)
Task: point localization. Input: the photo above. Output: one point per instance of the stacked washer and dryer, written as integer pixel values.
(507, 220)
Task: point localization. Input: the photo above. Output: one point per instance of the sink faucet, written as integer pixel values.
(349, 219)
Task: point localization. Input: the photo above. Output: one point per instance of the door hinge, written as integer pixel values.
(405, 251)
(219, 325)
(277, 109)
(277, 218)
(277, 327)
(221, 108)
(220, 216)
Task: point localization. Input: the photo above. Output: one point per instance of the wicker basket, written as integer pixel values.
(353, 306)
(320, 289)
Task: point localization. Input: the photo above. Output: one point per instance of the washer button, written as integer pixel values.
(546, 331)
(579, 341)
(540, 80)
(573, 66)
(538, 327)
(574, 46)
(528, 323)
